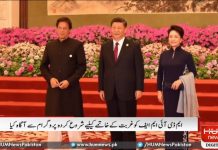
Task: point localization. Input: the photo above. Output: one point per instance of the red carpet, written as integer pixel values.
(25, 96)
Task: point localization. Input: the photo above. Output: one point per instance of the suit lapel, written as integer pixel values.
(111, 51)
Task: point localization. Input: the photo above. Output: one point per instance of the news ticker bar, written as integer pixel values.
(99, 124)
(102, 145)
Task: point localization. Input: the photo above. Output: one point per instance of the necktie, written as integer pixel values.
(116, 51)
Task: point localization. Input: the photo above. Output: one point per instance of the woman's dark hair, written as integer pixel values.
(64, 19)
(176, 28)
(119, 19)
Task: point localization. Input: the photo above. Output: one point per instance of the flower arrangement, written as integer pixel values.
(24, 59)
(205, 37)
(21, 50)
(92, 52)
(151, 54)
(205, 60)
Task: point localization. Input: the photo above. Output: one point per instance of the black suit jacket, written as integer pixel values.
(126, 75)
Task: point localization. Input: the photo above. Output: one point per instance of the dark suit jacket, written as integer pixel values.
(64, 61)
(126, 75)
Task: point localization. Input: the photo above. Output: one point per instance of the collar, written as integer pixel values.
(177, 49)
(65, 40)
(120, 41)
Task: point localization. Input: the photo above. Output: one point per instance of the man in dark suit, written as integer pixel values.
(121, 76)
(62, 66)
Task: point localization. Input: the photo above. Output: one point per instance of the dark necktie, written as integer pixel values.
(116, 51)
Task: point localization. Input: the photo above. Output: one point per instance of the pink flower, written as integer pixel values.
(148, 54)
(30, 68)
(155, 62)
(9, 63)
(21, 69)
(209, 65)
(24, 64)
(147, 60)
(18, 73)
(214, 62)
(95, 76)
(93, 68)
(201, 65)
(202, 59)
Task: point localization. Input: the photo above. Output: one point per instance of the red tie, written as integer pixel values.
(116, 51)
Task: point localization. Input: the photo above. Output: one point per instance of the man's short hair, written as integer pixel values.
(119, 19)
(64, 19)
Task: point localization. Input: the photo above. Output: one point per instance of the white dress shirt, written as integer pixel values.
(119, 46)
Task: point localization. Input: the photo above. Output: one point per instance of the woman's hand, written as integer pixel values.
(176, 84)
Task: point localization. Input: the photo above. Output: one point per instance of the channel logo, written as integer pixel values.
(209, 137)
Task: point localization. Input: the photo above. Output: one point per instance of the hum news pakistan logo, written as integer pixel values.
(209, 137)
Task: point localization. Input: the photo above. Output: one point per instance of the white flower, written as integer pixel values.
(152, 75)
(146, 67)
(209, 72)
(5, 72)
(2, 65)
(36, 57)
(30, 55)
(152, 67)
(31, 61)
(88, 64)
(91, 58)
(156, 69)
(24, 59)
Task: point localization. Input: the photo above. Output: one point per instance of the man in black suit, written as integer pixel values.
(62, 66)
(121, 76)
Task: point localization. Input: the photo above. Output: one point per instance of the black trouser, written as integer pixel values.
(171, 98)
(120, 108)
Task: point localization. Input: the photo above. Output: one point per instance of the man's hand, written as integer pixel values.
(176, 84)
(160, 96)
(64, 84)
(138, 94)
(101, 94)
(54, 82)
